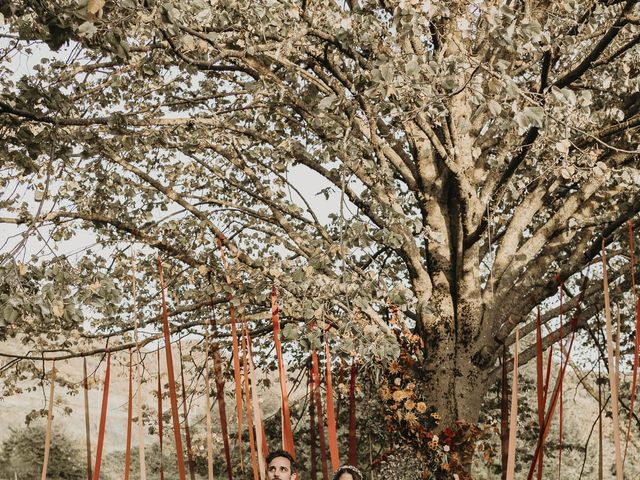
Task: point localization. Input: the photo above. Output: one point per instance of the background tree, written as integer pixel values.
(23, 452)
(473, 155)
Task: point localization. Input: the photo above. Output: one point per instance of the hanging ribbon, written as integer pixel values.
(559, 380)
(222, 409)
(600, 430)
(47, 437)
(207, 389)
(143, 468)
(187, 433)
(87, 425)
(127, 455)
(331, 418)
(539, 384)
(547, 378)
(554, 396)
(172, 381)
(612, 374)
(636, 345)
(513, 420)
(312, 426)
(247, 396)
(561, 409)
(341, 372)
(160, 421)
(287, 434)
(236, 355)
(320, 414)
(504, 415)
(103, 419)
(353, 454)
(261, 438)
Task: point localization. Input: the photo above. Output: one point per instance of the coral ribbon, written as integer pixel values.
(172, 381)
(287, 434)
(103, 419)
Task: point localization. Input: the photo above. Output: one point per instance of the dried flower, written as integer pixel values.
(421, 407)
(411, 418)
(394, 367)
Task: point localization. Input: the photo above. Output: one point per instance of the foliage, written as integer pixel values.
(23, 452)
(462, 160)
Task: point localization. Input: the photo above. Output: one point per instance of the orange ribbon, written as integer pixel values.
(172, 381)
(287, 434)
(236, 356)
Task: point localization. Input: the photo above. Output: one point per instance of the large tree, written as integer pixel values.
(474, 156)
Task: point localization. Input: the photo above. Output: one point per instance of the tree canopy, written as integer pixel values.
(432, 168)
